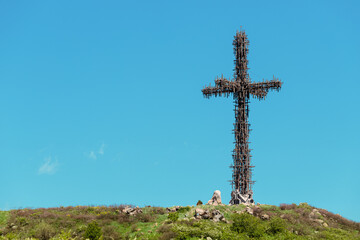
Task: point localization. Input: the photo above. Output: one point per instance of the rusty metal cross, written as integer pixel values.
(241, 87)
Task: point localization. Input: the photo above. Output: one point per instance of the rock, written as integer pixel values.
(132, 211)
(319, 221)
(206, 215)
(216, 198)
(315, 214)
(264, 216)
(216, 216)
(325, 224)
(208, 238)
(173, 209)
(199, 212)
(249, 210)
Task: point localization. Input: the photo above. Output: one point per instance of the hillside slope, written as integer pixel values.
(192, 222)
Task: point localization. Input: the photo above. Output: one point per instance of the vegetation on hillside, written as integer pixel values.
(113, 222)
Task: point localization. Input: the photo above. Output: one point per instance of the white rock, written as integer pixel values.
(199, 212)
(216, 198)
(249, 210)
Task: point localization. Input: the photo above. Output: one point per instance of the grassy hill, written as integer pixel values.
(211, 222)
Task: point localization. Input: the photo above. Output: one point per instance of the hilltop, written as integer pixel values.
(191, 222)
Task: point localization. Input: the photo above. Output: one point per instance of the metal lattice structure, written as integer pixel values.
(241, 87)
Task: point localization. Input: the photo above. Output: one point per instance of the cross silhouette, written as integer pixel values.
(241, 87)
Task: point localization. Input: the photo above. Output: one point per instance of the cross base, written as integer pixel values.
(238, 198)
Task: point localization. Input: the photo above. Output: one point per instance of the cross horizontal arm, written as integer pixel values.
(260, 89)
(222, 87)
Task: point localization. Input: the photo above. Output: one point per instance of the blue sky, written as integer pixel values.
(101, 102)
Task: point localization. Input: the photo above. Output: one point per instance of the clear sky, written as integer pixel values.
(101, 103)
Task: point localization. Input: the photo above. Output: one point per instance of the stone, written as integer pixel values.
(173, 209)
(325, 224)
(249, 210)
(264, 216)
(205, 216)
(199, 212)
(132, 211)
(216, 216)
(216, 199)
(319, 221)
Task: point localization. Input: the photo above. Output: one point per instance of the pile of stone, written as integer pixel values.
(214, 215)
(173, 209)
(315, 215)
(132, 211)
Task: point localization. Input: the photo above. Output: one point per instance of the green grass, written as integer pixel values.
(4, 215)
(70, 223)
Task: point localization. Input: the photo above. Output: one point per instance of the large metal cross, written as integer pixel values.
(241, 87)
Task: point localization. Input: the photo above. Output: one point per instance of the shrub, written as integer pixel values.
(110, 233)
(348, 224)
(93, 231)
(277, 225)
(284, 206)
(247, 224)
(145, 217)
(173, 216)
(44, 231)
(199, 203)
(157, 210)
(184, 209)
(11, 236)
(305, 205)
(63, 236)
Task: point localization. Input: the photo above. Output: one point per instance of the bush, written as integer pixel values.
(184, 209)
(144, 217)
(199, 203)
(247, 224)
(277, 225)
(63, 236)
(173, 216)
(44, 231)
(284, 206)
(93, 231)
(110, 233)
